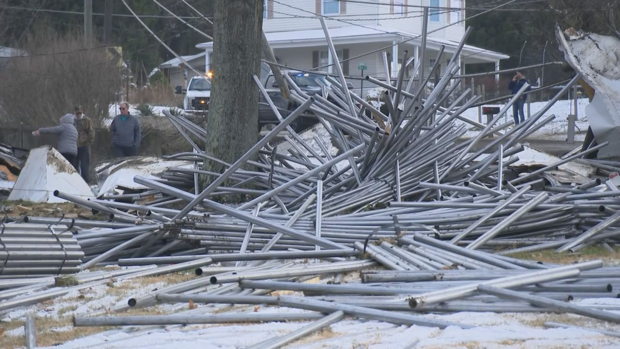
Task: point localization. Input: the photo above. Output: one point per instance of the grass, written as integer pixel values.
(586, 254)
(46, 336)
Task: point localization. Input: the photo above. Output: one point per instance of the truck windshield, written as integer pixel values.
(200, 85)
(306, 79)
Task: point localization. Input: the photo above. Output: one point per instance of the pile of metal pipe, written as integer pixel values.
(31, 250)
(429, 222)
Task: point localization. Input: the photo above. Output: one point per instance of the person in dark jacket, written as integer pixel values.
(125, 131)
(67, 137)
(86, 137)
(514, 86)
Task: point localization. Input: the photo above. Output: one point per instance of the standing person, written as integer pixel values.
(514, 86)
(67, 137)
(125, 131)
(86, 137)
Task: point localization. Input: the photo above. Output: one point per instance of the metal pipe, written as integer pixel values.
(505, 223)
(362, 312)
(190, 320)
(549, 303)
(509, 281)
(278, 342)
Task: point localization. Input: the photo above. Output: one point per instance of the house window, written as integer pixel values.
(331, 7)
(399, 7)
(434, 10)
(264, 8)
(324, 58)
(458, 7)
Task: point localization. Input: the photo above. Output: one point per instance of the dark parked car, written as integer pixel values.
(307, 82)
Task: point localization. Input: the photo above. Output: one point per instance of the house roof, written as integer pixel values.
(367, 34)
(176, 62)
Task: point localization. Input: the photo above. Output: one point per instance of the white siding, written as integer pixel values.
(294, 16)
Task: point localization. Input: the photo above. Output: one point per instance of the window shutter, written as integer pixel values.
(392, 6)
(406, 7)
(315, 60)
(343, 7)
(345, 64)
(269, 9)
(448, 11)
(318, 7)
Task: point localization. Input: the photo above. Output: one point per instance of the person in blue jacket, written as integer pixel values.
(514, 86)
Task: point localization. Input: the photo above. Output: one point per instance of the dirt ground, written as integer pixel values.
(17, 209)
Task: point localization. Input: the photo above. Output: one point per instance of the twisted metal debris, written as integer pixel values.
(420, 215)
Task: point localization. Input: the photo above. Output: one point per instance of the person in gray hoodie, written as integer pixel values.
(125, 131)
(67, 137)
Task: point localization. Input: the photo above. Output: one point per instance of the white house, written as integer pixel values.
(178, 74)
(362, 31)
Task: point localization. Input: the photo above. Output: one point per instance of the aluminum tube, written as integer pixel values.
(190, 320)
(304, 176)
(500, 167)
(160, 210)
(408, 257)
(231, 257)
(591, 184)
(550, 324)
(208, 299)
(380, 258)
(89, 234)
(88, 204)
(508, 221)
(476, 255)
(362, 312)
(248, 232)
(489, 215)
(102, 257)
(328, 289)
(248, 155)
(549, 303)
(509, 281)
(241, 215)
(82, 223)
(591, 232)
(332, 49)
(319, 211)
(31, 332)
(44, 295)
(537, 247)
(482, 189)
(487, 128)
(303, 271)
(150, 299)
(17, 291)
(279, 342)
(289, 223)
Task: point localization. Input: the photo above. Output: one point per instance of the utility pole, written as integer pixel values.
(88, 22)
(107, 22)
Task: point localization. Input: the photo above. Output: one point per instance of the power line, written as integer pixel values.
(94, 13)
(103, 46)
(402, 41)
(107, 61)
(161, 42)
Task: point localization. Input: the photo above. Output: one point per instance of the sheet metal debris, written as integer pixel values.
(46, 170)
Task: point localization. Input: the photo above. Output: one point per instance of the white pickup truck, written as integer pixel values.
(198, 94)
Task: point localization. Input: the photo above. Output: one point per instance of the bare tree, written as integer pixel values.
(233, 112)
(51, 75)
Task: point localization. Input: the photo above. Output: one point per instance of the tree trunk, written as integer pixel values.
(233, 110)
